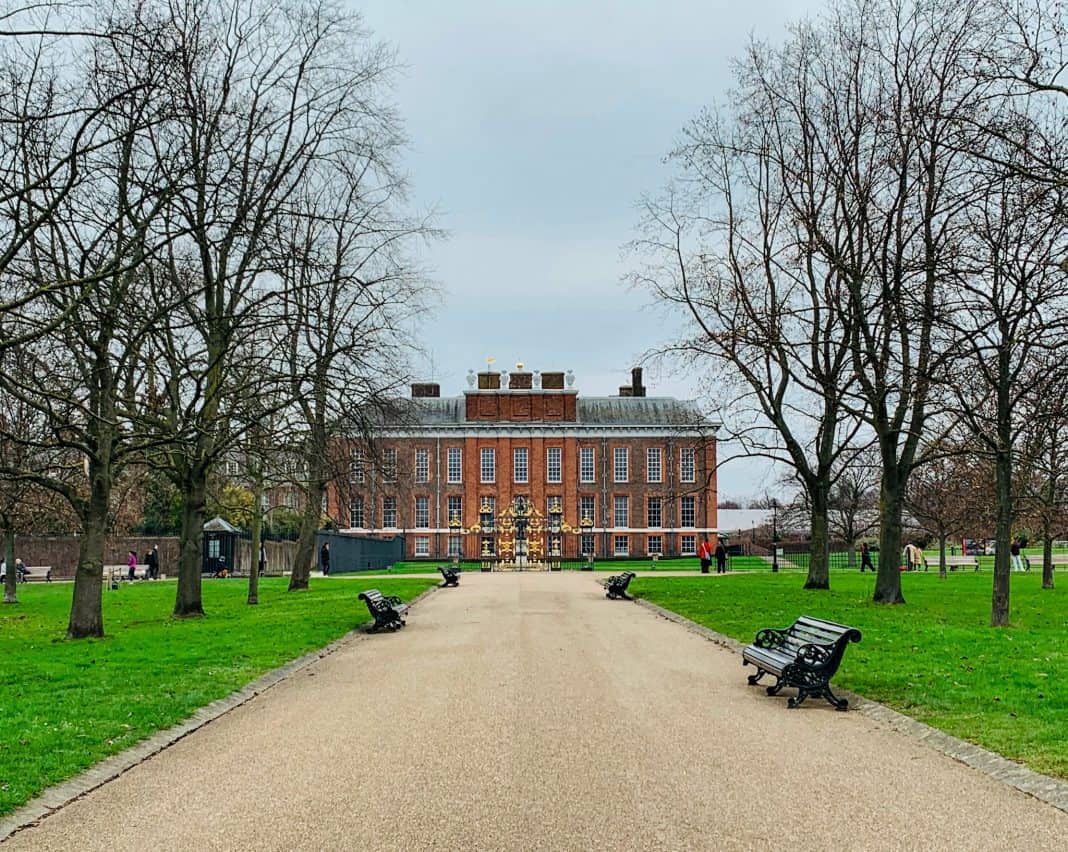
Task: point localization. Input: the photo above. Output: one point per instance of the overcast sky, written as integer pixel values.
(535, 128)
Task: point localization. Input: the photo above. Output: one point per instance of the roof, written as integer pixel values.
(590, 411)
(217, 524)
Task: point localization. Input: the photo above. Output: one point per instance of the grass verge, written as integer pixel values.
(65, 705)
(934, 658)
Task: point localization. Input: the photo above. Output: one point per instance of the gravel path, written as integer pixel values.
(526, 712)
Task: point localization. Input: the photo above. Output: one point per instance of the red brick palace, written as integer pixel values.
(522, 465)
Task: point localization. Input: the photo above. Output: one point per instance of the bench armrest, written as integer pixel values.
(813, 656)
(769, 637)
(393, 600)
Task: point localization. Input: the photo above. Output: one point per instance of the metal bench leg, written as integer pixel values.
(776, 688)
(755, 678)
(839, 703)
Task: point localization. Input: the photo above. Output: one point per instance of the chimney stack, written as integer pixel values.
(637, 388)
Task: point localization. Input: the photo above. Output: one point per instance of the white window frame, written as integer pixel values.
(520, 465)
(655, 544)
(455, 545)
(422, 507)
(422, 545)
(455, 464)
(385, 513)
(593, 508)
(587, 462)
(554, 469)
(649, 512)
(487, 462)
(389, 464)
(687, 464)
(587, 544)
(692, 503)
(422, 465)
(621, 545)
(458, 511)
(356, 506)
(621, 501)
(358, 467)
(688, 545)
(621, 464)
(651, 454)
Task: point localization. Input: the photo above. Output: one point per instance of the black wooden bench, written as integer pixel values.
(388, 610)
(805, 655)
(452, 577)
(616, 587)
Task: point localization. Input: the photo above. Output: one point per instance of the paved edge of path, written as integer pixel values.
(51, 799)
(1050, 790)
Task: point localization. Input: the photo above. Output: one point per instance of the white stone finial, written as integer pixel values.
(537, 378)
(470, 378)
(570, 379)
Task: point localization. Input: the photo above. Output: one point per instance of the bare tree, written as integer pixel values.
(351, 288)
(271, 87)
(763, 308)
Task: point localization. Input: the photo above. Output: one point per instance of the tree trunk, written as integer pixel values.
(10, 581)
(999, 607)
(257, 544)
(818, 574)
(188, 601)
(851, 553)
(942, 556)
(891, 501)
(1047, 563)
(86, 611)
(309, 527)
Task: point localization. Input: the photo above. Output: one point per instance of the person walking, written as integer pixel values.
(704, 553)
(324, 558)
(152, 563)
(865, 557)
(263, 558)
(721, 557)
(131, 565)
(1014, 553)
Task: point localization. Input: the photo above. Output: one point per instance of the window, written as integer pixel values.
(622, 545)
(689, 545)
(686, 465)
(233, 468)
(422, 545)
(687, 514)
(653, 513)
(587, 544)
(291, 499)
(621, 468)
(357, 464)
(489, 464)
(356, 513)
(554, 464)
(588, 509)
(389, 513)
(422, 513)
(422, 465)
(622, 514)
(586, 464)
(653, 465)
(389, 464)
(656, 545)
(487, 504)
(454, 545)
(455, 464)
(520, 464)
(456, 507)
(553, 501)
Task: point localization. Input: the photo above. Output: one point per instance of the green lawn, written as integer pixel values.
(934, 658)
(65, 705)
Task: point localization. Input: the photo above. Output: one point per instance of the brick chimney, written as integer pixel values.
(424, 390)
(637, 388)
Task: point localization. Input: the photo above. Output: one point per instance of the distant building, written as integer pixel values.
(626, 475)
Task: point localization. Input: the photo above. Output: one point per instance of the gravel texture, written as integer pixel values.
(526, 711)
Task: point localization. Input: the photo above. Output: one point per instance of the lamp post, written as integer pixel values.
(775, 536)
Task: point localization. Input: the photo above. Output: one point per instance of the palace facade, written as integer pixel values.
(522, 466)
